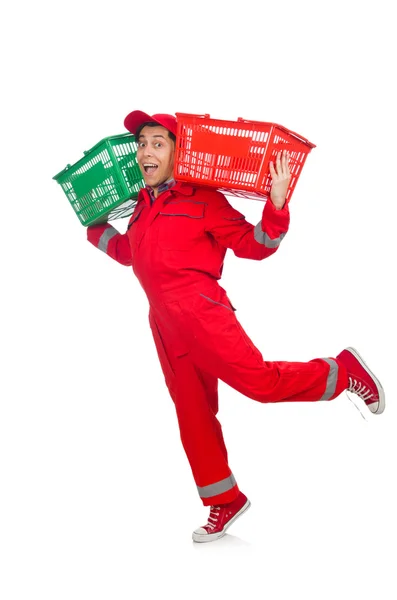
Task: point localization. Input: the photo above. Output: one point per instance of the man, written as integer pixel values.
(176, 243)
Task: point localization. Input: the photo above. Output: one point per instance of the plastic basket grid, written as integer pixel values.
(234, 156)
(105, 182)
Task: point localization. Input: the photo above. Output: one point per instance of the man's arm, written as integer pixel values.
(109, 240)
(230, 229)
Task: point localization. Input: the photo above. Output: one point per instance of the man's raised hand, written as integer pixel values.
(281, 178)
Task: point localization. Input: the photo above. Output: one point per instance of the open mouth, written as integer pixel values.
(150, 168)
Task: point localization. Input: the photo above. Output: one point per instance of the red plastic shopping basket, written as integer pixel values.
(234, 156)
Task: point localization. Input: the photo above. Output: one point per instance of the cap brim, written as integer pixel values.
(135, 119)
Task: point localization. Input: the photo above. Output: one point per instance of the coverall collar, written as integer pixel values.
(167, 185)
(179, 187)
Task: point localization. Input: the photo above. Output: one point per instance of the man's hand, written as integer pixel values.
(281, 177)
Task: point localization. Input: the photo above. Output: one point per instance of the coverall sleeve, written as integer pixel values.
(229, 227)
(109, 240)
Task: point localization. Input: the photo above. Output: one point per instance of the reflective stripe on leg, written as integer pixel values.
(331, 380)
(217, 488)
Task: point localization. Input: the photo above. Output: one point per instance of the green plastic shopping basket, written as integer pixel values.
(105, 182)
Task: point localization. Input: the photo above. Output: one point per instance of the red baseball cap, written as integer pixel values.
(137, 118)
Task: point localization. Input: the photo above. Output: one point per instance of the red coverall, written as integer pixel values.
(177, 248)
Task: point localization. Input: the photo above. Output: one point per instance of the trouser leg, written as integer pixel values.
(264, 381)
(195, 395)
(219, 345)
(201, 433)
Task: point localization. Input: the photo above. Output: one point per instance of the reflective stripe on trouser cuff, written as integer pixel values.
(105, 237)
(264, 239)
(217, 488)
(332, 379)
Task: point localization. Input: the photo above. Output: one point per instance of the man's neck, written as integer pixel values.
(166, 185)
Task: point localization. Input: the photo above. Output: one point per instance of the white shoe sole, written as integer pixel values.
(381, 404)
(212, 537)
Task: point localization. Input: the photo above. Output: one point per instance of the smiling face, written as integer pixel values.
(155, 155)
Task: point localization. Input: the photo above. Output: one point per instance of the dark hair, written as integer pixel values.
(153, 124)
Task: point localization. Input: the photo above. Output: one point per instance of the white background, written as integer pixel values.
(97, 498)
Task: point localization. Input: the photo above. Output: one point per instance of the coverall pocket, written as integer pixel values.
(218, 333)
(229, 306)
(180, 224)
(215, 295)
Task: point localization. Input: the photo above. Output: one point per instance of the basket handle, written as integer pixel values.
(179, 114)
(121, 135)
(299, 137)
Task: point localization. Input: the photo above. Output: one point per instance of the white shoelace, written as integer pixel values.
(358, 388)
(361, 390)
(214, 514)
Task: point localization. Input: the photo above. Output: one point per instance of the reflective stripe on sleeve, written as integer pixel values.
(264, 239)
(331, 380)
(105, 237)
(217, 488)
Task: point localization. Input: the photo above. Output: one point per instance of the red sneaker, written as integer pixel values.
(362, 381)
(221, 517)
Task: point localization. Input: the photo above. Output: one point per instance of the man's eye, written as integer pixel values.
(158, 145)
